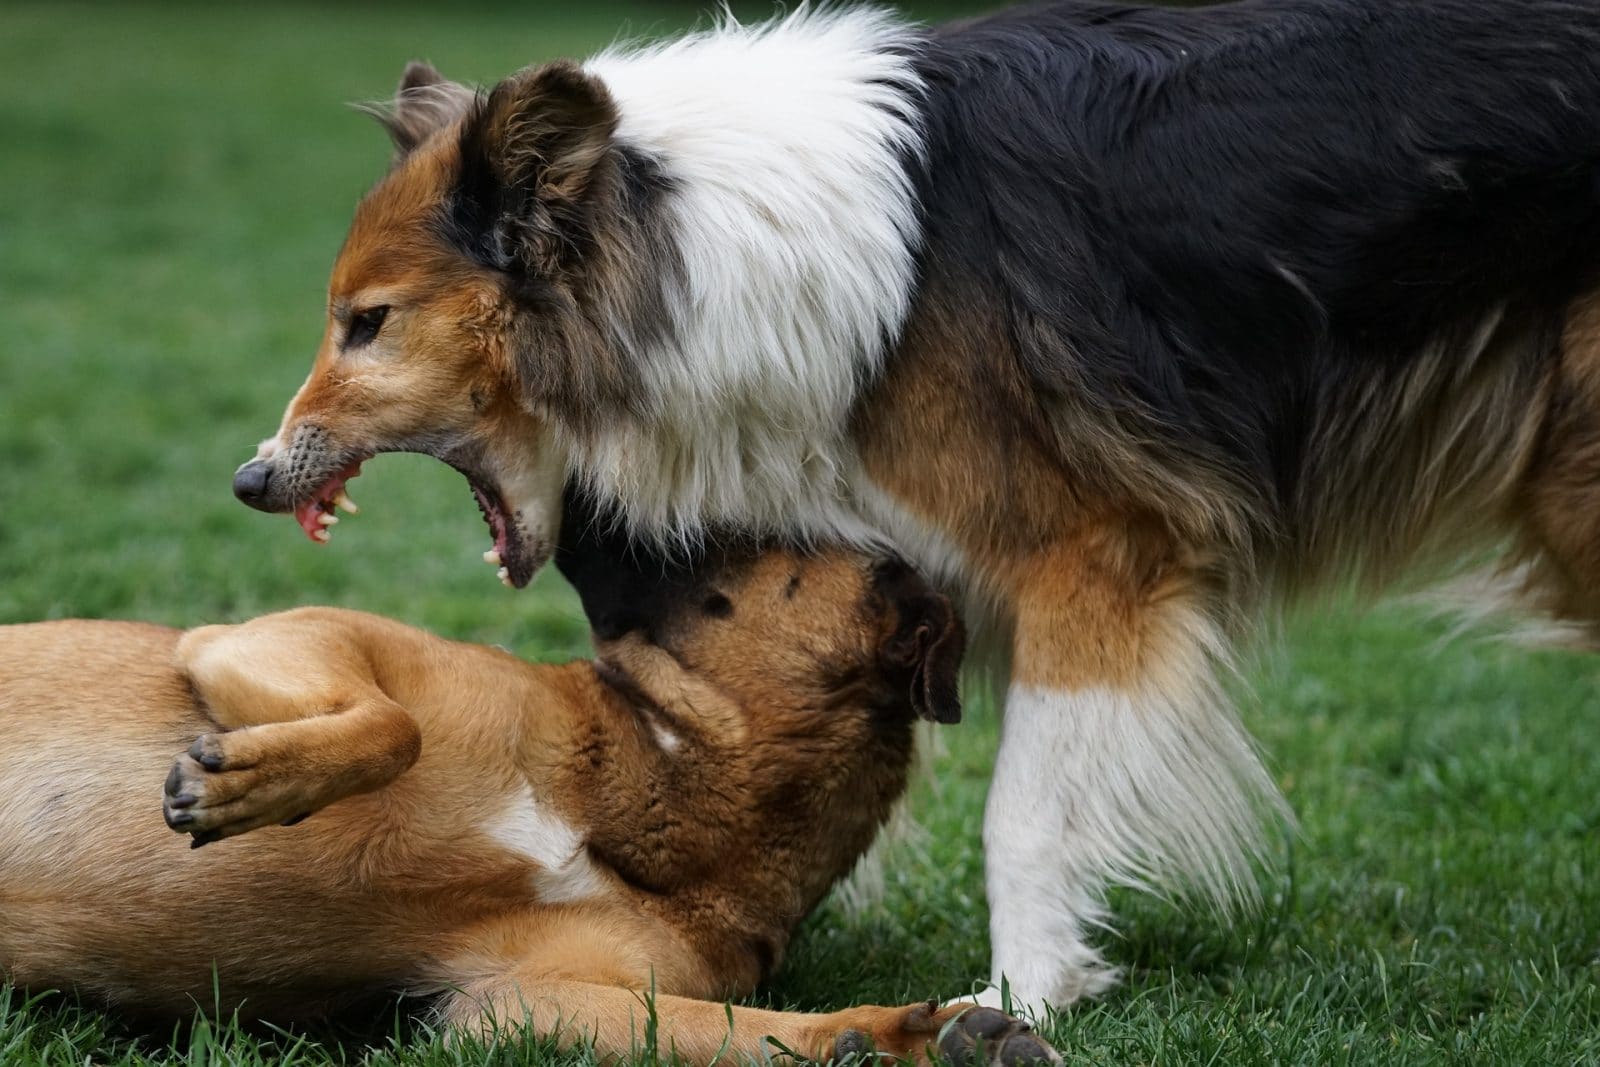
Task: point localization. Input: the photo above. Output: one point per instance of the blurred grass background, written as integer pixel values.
(175, 180)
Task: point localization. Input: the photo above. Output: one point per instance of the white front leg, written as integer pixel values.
(1145, 781)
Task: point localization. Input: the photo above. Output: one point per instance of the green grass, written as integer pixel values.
(174, 182)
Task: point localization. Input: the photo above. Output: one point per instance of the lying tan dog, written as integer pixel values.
(524, 842)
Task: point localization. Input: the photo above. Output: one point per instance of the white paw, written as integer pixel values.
(990, 997)
(1078, 984)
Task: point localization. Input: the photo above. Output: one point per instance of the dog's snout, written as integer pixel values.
(608, 626)
(617, 623)
(892, 575)
(250, 483)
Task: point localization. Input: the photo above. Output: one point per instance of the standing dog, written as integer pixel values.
(1125, 322)
(555, 841)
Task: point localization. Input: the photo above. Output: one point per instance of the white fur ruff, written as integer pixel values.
(793, 214)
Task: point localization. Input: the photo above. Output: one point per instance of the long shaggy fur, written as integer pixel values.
(794, 231)
(1080, 304)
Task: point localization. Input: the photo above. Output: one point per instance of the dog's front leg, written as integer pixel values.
(303, 724)
(1120, 762)
(683, 695)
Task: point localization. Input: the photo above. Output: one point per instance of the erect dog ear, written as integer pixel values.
(529, 156)
(926, 645)
(424, 103)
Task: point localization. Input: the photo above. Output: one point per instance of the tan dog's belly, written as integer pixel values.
(98, 894)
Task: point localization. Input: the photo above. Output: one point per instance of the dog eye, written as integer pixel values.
(364, 326)
(717, 606)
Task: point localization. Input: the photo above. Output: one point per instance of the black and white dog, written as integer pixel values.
(1126, 323)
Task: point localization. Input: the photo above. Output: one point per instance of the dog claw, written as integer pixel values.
(201, 840)
(209, 751)
(205, 755)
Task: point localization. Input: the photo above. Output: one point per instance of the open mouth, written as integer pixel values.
(509, 555)
(317, 513)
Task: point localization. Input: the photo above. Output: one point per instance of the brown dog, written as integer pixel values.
(539, 842)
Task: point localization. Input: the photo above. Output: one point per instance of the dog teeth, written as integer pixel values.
(328, 518)
(505, 577)
(492, 558)
(343, 502)
(322, 536)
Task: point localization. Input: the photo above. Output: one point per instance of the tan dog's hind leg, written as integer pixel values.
(617, 1020)
(613, 978)
(305, 724)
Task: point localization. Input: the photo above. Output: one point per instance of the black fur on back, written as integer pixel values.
(1233, 216)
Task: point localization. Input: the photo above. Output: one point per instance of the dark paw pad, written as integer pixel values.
(202, 793)
(984, 1037)
(852, 1043)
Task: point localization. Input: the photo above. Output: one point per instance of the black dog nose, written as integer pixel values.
(614, 624)
(250, 482)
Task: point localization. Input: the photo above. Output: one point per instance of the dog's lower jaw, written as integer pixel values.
(526, 562)
(529, 482)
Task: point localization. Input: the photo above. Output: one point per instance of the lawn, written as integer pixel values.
(174, 182)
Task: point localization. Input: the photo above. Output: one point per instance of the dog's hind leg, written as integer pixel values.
(304, 723)
(618, 982)
(1120, 759)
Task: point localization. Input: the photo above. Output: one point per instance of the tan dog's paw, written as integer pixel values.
(959, 1034)
(230, 783)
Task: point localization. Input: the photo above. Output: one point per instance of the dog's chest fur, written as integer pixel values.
(793, 224)
(531, 829)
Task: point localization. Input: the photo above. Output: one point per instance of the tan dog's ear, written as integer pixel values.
(927, 644)
(424, 103)
(528, 155)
